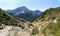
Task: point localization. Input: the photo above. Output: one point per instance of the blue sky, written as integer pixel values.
(30, 4)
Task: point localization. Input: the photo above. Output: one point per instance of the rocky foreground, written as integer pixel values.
(14, 31)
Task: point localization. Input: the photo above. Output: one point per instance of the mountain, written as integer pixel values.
(23, 12)
(18, 10)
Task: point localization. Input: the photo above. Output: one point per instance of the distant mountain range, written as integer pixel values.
(25, 13)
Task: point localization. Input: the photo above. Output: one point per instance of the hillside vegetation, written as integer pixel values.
(6, 18)
(52, 29)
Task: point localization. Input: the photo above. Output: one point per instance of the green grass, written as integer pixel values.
(55, 27)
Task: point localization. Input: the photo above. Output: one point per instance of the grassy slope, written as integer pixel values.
(5, 18)
(53, 27)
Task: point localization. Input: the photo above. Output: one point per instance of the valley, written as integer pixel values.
(46, 24)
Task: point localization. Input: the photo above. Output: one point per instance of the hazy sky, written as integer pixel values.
(30, 4)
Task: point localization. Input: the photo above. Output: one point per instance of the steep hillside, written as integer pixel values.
(48, 23)
(49, 14)
(6, 18)
(53, 28)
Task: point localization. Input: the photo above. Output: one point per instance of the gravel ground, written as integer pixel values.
(13, 31)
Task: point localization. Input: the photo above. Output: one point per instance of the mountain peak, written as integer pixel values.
(37, 11)
(23, 7)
